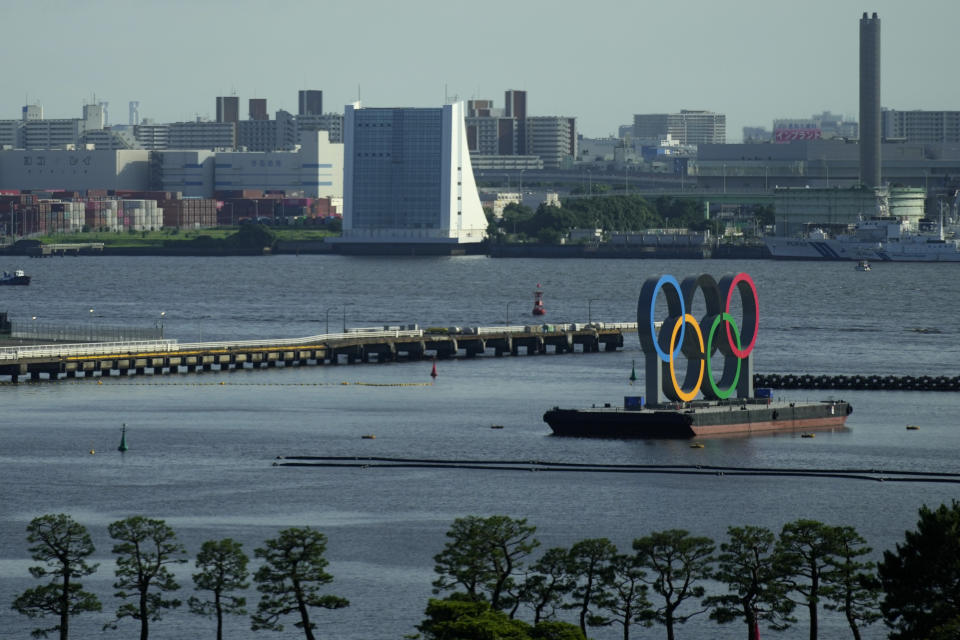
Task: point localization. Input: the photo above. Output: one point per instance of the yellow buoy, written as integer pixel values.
(92, 452)
(99, 381)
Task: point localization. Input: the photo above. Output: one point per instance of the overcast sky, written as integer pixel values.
(599, 60)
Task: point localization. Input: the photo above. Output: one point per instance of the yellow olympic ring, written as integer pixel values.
(686, 396)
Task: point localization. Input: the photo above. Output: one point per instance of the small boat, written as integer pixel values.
(912, 427)
(496, 426)
(369, 436)
(807, 435)
(863, 265)
(17, 277)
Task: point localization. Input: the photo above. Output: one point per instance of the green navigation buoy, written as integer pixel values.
(633, 372)
(123, 439)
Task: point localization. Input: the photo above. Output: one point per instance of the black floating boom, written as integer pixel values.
(867, 382)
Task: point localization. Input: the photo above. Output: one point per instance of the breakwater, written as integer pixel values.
(842, 473)
(865, 382)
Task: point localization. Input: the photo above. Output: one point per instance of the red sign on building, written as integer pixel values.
(789, 135)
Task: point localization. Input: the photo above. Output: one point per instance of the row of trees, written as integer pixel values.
(289, 578)
(613, 213)
(757, 577)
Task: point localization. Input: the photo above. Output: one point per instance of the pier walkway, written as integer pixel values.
(59, 361)
(65, 249)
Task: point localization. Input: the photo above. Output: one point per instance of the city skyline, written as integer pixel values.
(749, 62)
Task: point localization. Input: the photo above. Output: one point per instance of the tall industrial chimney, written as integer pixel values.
(870, 100)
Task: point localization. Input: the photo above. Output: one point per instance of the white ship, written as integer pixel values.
(876, 239)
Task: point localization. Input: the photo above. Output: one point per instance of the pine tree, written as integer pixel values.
(63, 545)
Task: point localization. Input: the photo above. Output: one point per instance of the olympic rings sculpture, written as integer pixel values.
(682, 333)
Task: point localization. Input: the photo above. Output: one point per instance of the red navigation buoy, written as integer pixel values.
(538, 309)
(433, 373)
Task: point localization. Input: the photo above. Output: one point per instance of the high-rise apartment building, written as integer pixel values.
(329, 122)
(553, 139)
(310, 102)
(921, 126)
(688, 127)
(492, 136)
(258, 109)
(515, 106)
(268, 135)
(408, 179)
(50, 134)
(228, 109)
(201, 135)
(152, 135)
(9, 133)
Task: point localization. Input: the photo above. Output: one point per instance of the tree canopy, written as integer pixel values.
(144, 552)
(547, 583)
(63, 546)
(290, 580)
(680, 562)
(756, 590)
(483, 557)
(590, 561)
(853, 588)
(223, 570)
(806, 551)
(921, 578)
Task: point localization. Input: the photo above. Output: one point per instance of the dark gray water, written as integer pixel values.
(201, 452)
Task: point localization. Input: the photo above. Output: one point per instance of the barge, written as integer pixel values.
(698, 419)
(694, 403)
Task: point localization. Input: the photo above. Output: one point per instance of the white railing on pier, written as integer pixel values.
(137, 347)
(86, 349)
(554, 328)
(309, 340)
